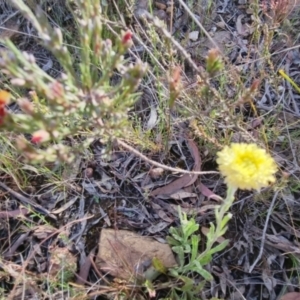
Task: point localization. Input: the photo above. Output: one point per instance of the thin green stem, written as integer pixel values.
(220, 215)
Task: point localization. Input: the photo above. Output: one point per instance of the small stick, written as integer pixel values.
(154, 163)
(263, 238)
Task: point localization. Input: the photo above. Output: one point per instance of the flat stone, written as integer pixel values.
(125, 254)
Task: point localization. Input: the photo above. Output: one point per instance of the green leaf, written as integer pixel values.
(222, 231)
(173, 272)
(159, 266)
(187, 248)
(206, 259)
(180, 253)
(206, 275)
(195, 243)
(198, 288)
(172, 242)
(173, 295)
(190, 228)
(175, 234)
(188, 283)
(225, 220)
(219, 247)
(211, 232)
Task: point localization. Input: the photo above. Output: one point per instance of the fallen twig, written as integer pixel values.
(155, 163)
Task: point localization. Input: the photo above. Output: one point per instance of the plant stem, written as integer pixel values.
(220, 214)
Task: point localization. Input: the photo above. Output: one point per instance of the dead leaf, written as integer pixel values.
(158, 227)
(14, 213)
(181, 194)
(85, 268)
(10, 29)
(65, 206)
(12, 249)
(192, 210)
(43, 231)
(269, 281)
(205, 191)
(164, 216)
(186, 179)
(62, 263)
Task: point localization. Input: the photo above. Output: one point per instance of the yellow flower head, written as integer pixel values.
(246, 166)
(4, 97)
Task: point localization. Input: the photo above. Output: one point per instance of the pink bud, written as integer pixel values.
(40, 136)
(2, 114)
(26, 106)
(127, 38)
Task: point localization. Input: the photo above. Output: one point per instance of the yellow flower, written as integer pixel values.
(4, 97)
(246, 166)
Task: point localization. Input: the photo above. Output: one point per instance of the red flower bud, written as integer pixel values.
(2, 114)
(126, 39)
(2, 111)
(40, 136)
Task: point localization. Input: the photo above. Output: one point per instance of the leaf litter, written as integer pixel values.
(110, 192)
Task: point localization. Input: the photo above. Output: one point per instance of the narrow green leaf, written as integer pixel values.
(206, 259)
(180, 253)
(219, 247)
(206, 275)
(159, 266)
(195, 243)
(172, 242)
(225, 220)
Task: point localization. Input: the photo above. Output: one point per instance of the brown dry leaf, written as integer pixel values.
(14, 213)
(181, 194)
(62, 264)
(186, 179)
(281, 243)
(85, 267)
(43, 231)
(192, 210)
(291, 296)
(65, 206)
(158, 227)
(12, 249)
(164, 216)
(9, 29)
(123, 253)
(205, 191)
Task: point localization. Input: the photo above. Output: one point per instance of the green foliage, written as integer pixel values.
(185, 243)
(82, 104)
